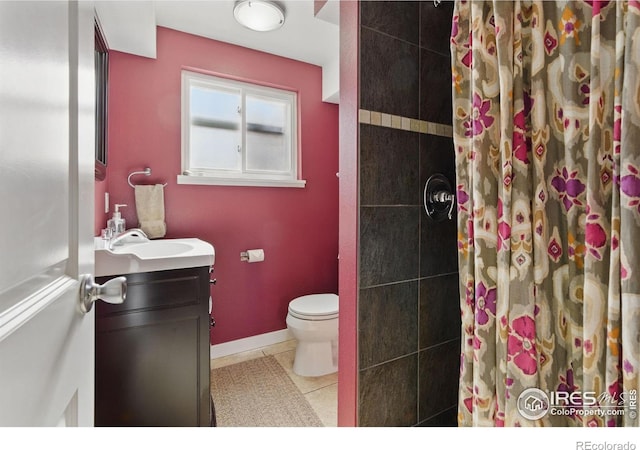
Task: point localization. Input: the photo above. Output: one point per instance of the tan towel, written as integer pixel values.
(150, 209)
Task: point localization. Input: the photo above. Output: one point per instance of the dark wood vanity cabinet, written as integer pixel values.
(152, 352)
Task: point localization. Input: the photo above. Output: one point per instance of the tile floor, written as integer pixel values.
(320, 392)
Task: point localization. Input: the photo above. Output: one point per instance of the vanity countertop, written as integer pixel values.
(135, 256)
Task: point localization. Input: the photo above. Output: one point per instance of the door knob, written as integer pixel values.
(113, 291)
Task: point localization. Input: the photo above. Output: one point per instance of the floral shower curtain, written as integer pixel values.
(547, 136)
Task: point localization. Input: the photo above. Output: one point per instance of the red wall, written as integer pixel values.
(99, 214)
(349, 128)
(297, 228)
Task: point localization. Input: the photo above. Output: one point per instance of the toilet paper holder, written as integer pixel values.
(251, 256)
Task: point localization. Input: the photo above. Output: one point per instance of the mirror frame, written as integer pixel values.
(101, 107)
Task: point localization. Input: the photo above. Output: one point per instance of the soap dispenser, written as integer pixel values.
(117, 224)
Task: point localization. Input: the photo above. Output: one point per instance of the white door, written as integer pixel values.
(46, 218)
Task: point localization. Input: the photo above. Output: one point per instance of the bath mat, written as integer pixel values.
(259, 393)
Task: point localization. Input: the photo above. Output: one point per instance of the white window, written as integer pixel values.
(237, 133)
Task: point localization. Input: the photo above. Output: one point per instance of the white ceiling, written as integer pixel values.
(302, 37)
(129, 26)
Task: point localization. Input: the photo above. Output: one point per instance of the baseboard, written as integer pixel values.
(249, 343)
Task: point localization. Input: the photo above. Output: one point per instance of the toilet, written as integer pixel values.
(313, 321)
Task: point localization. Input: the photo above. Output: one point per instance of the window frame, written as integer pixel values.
(243, 177)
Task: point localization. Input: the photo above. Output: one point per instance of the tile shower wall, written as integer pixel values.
(408, 307)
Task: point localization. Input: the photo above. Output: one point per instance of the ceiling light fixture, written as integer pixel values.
(259, 15)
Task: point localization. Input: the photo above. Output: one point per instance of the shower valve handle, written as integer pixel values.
(439, 200)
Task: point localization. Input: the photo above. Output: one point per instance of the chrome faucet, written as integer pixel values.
(132, 232)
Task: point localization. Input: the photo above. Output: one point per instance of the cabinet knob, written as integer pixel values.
(213, 281)
(212, 322)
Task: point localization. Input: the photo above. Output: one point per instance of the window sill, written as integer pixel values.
(252, 182)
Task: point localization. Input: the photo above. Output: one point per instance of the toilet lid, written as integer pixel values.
(315, 306)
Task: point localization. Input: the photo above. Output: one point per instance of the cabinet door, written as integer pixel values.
(152, 352)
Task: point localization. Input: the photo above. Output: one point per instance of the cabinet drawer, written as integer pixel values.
(159, 290)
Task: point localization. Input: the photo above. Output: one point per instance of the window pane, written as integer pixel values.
(214, 148)
(215, 133)
(268, 134)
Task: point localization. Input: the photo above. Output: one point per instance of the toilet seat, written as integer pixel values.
(315, 307)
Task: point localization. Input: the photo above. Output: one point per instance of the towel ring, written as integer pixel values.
(146, 172)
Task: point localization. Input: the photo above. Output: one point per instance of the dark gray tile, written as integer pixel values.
(438, 382)
(387, 322)
(435, 26)
(389, 244)
(448, 418)
(388, 166)
(398, 19)
(389, 74)
(439, 310)
(438, 246)
(436, 156)
(435, 87)
(388, 394)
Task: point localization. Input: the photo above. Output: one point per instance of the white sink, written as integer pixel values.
(135, 256)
